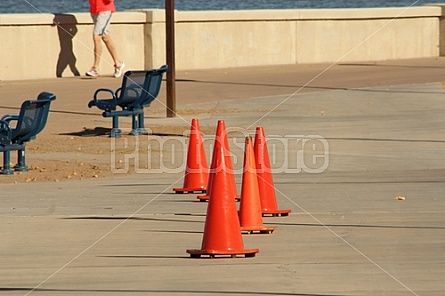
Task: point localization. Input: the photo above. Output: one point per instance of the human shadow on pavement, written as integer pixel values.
(66, 29)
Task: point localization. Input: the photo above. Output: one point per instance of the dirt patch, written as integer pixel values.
(91, 153)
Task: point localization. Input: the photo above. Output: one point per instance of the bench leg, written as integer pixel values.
(115, 131)
(134, 125)
(141, 125)
(21, 166)
(6, 163)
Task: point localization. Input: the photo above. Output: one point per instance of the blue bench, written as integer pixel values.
(138, 90)
(28, 123)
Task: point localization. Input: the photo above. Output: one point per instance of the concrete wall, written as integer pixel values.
(32, 46)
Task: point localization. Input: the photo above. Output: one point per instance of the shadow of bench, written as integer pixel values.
(138, 90)
(28, 123)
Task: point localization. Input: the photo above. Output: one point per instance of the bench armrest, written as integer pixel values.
(117, 93)
(5, 132)
(108, 90)
(9, 117)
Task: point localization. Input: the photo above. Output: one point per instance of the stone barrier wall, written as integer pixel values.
(35, 46)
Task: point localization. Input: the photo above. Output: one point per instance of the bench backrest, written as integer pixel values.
(45, 96)
(140, 88)
(32, 118)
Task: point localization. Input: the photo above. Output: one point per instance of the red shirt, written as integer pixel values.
(97, 6)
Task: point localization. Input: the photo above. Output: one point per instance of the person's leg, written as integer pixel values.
(97, 41)
(118, 64)
(94, 71)
(97, 50)
(101, 22)
(111, 48)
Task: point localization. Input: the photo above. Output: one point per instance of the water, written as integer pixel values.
(64, 6)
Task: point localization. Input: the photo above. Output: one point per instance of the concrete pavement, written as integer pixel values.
(358, 156)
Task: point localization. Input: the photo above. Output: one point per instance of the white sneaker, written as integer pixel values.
(94, 72)
(118, 69)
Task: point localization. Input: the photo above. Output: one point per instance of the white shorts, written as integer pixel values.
(101, 22)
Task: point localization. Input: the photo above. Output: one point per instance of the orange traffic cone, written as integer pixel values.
(197, 171)
(264, 174)
(250, 217)
(221, 142)
(222, 232)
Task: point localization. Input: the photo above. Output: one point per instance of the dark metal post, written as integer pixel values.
(170, 45)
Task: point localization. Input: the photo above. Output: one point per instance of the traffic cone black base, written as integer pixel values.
(198, 253)
(262, 230)
(276, 213)
(189, 190)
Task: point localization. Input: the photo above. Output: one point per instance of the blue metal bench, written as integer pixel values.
(138, 90)
(29, 122)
